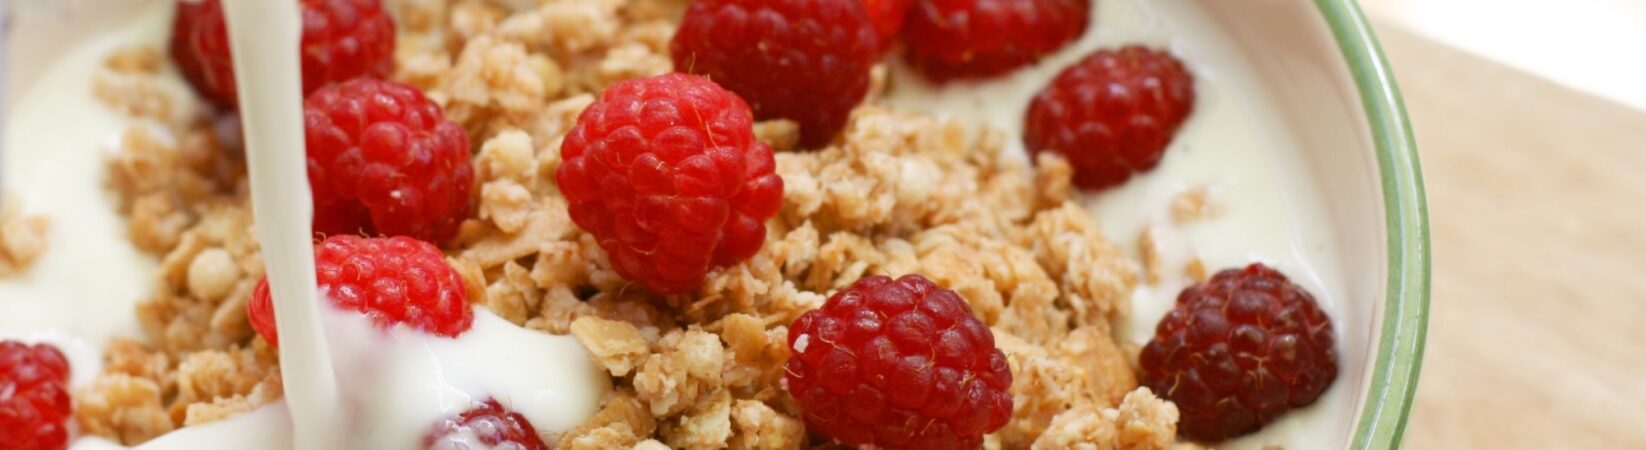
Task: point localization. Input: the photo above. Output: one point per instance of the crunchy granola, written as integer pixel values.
(1194, 205)
(181, 186)
(897, 193)
(22, 238)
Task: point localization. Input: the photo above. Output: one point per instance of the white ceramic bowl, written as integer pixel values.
(1339, 95)
(1335, 92)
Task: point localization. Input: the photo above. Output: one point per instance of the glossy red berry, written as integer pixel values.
(384, 160)
(342, 39)
(1238, 351)
(665, 172)
(489, 423)
(1112, 114)
(392, 281)
(898, 364)
(953, 39)
(803, 60)
(888, 17)
(34, 397)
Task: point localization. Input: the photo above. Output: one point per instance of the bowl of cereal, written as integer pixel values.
(714, 223)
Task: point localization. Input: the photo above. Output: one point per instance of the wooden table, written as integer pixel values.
(1537, 197)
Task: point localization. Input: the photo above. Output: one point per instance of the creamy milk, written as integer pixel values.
(403, 381)
(264, 36)
(57, 139)
(1234, 145)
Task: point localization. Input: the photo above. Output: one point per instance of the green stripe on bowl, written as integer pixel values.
(1406, 312)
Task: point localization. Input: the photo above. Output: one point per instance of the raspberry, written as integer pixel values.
(1111, 114)
(383, 159)
(898, 364)
(34, 397)
(951, 39)
(342, 39)
(803, 60)
(396, 280)
(888, 16)
(1239, 350)
(666, 174)
(491, 424)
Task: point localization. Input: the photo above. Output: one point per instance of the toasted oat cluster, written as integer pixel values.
(22, 238)
(895, 194)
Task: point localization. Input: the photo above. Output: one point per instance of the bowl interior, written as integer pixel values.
(41, 30)
(1327, 77)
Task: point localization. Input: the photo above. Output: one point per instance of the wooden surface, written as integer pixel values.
(1537, 198)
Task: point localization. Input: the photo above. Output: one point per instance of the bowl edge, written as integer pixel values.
(1399, 355)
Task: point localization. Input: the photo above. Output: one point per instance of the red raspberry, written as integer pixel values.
(383, 159)
(898, 364)
(804, 60)
(666, 173)
(396, 280)
(1111, 114)
(342, 39)
(950, 39)
(1238, 351)
(491, 424)
(34, 397)
(888, 16)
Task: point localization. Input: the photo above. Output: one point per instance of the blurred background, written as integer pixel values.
(1531, 120)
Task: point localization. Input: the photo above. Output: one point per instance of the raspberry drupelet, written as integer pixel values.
(342, 39)
(34, 397)
(888, 17)
(490, 423)
(396, 280)
(803, 60)
(1238, 351)
(666, 174)
(898, 364)
(1111, 114)
(955, 39)
(384, 160)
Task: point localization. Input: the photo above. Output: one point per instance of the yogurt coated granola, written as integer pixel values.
(897, 193)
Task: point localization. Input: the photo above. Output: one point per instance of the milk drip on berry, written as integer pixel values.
(348, 384)
(264, 37)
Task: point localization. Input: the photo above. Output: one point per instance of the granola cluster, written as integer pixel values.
(22, 238)
(898, 193)
(180, 182)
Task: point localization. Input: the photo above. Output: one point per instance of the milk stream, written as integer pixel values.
(264, 37)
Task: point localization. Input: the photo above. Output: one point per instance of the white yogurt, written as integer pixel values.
(57, 136)
(1234, 145)
(399, 383)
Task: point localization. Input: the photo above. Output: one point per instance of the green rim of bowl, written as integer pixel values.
(1406, 310)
